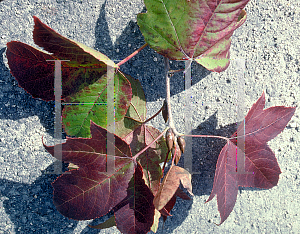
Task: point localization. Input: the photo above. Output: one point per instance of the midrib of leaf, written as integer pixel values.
(93, 107)
(261, 129)
(205, 31)
(182, 51)
(135, 112)
(98, 184)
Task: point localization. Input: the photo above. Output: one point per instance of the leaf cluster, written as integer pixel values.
(135, 188)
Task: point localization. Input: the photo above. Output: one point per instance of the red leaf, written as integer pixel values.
(36, 75)
(170, 185)
(90, 192)
(261, 163)
(198, 29)
(138, 214)
(31, 69)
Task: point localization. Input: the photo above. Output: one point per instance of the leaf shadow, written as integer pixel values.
(206, 152)
(29, 206)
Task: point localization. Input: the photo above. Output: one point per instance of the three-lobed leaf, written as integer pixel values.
(80, 193)
(260, 161)
(196, 29)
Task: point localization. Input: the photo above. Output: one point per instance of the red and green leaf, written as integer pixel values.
(67, 49)
(79, 193)
(136, 112)
(76, 118)
(260, 127)
(196, 29)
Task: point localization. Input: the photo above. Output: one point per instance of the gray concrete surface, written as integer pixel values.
(268, 41)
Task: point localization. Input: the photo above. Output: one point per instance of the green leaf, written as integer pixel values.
(199, 29)
(136, 113)
(76, 118)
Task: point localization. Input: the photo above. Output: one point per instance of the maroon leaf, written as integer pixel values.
(31, 69)
(182, 195)
(170, 185)
(169, 206)
(138, 214)
(260, 162)
(36, 75)
(225, 184)
(90, 192)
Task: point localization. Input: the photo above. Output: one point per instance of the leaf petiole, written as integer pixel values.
(143, 122)
(209, 136)
(133, 54)
(143, 150)
(153, 115)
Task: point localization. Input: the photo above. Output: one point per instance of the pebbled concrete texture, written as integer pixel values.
(269, 43)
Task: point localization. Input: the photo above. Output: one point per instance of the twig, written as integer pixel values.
(168, 96)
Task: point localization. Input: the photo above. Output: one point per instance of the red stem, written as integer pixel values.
(209, 136)
(130, 56)
(154, 115)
